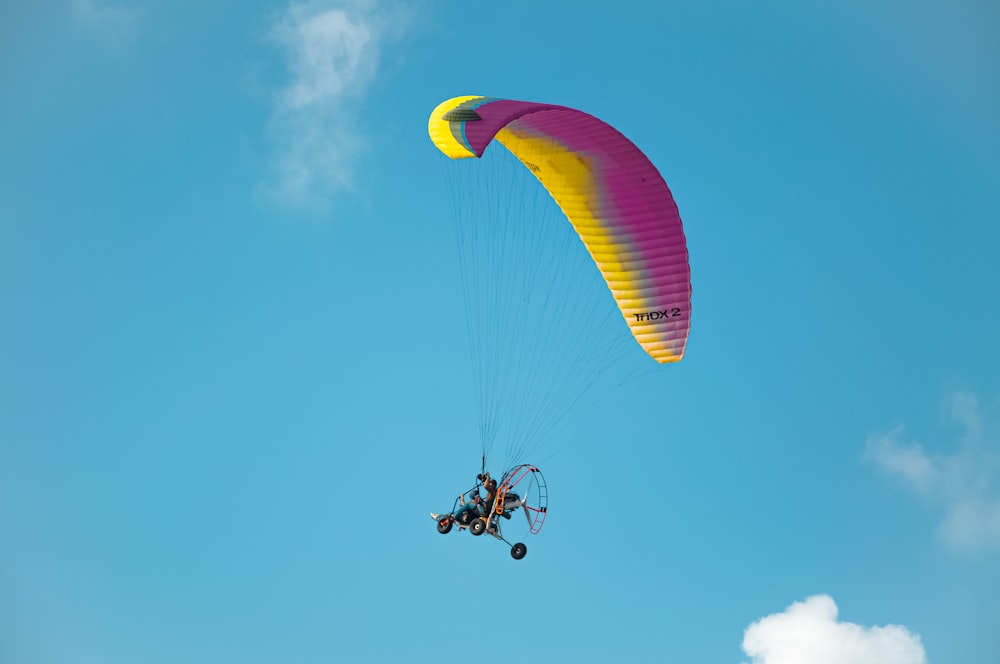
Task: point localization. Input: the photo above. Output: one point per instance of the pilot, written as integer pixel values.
(471, 509)
(491, 492)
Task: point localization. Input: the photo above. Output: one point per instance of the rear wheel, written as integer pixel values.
(518, 551)
(477, 527)
(444, 525)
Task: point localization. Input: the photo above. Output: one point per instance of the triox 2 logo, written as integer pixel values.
(658, 315)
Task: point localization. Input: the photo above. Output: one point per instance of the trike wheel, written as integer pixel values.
(444, 525)
(477, 527)
(518, 551)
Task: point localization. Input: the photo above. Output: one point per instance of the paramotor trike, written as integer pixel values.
(521, 488)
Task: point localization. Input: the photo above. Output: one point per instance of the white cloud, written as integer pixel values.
(333, 50)
(809, 633)
(964, 408)
(964, 482)
(910, 463)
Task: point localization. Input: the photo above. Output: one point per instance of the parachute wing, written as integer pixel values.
(610, 192)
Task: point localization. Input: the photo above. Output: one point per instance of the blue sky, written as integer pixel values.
(233, 382)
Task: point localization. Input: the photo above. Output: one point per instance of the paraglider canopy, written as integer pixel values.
(610, 192)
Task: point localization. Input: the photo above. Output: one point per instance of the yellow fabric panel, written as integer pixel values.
(569, 178)
(440, 129)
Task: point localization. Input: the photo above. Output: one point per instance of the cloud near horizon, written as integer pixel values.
(332, 50)
(809, 632)
(965, 483)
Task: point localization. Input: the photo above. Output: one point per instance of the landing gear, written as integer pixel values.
(444, 525)
(518, 551)
(477, 527)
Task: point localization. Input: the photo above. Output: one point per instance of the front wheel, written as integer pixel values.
(444, 525)
(477, 527)
(518, 551)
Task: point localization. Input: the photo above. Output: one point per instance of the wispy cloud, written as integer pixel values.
(809, 632)
(333, 51)
(965, 482)
(115, 20)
